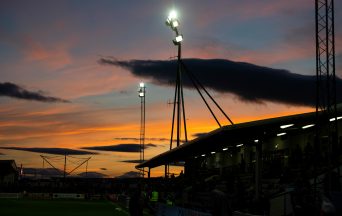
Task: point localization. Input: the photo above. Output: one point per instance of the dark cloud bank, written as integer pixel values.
(133, 161)
(63, 151)
(249, 82)
(92, 175)
(52, 172)
(120, 147)
(12, 90)
(152, 139)
(42, 171)
(56, 151)
(137, 139)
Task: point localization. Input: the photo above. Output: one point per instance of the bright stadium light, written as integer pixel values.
(171, 19)
(172, 15)
(333, 119)
(225, 149)
(286, 126)
(281, 134)
(308, 126)
(142, 89)
(239, 145)
(212, 152)
(178, 39)
(174, 24)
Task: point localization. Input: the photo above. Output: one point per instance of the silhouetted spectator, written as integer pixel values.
(308, 150)
(332, 183)
(136, 203)
(297, 156)
(242, 164)
(309, 155)
(220, 201)
(241, 194)
(285, 176)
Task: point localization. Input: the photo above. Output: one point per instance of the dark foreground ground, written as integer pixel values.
(26, 207)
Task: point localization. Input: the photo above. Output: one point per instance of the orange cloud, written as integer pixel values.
(55, 57)
(75, 135)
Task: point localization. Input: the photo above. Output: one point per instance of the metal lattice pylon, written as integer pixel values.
(142, 94)
(326, 110)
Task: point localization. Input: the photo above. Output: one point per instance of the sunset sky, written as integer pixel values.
(56, 92)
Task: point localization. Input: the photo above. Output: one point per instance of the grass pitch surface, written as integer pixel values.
(26, 207)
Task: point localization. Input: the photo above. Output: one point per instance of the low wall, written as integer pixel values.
(11, 195)
(67, 196)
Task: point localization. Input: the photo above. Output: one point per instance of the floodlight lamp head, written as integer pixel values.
(178, 39)
(172, 15)
(171, 18)
(174, 24)
(141, 91)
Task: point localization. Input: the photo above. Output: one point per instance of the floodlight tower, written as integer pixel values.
(179, 113)
(142, 93)
(326, 79)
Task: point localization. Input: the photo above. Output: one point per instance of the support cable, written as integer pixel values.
(173, 115)
(78, 166)
(205, 90)
(200, 93)
(184, 119)
(50, 164)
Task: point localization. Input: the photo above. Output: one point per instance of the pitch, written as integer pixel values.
(26, 207)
